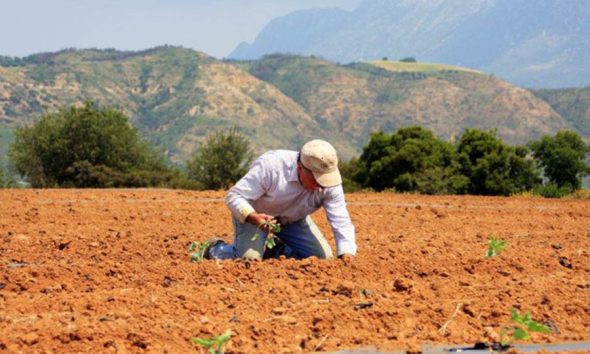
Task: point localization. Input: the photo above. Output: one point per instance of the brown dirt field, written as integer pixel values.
(108, 271)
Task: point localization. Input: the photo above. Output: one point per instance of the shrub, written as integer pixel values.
(85, 147)
(562, 158)
(552, 190)
(492, 167)
(348, 170)
(221, 160)
(412, 159)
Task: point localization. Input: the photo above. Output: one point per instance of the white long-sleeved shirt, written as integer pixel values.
(272, 187)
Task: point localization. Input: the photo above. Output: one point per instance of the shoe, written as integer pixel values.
(200, 251)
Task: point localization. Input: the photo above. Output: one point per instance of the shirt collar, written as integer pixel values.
(292, 176)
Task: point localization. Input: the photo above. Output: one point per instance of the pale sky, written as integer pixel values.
(215, 27)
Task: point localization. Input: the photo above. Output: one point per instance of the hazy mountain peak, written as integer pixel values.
(532, 43)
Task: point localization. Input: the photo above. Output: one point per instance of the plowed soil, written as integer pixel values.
(108, 271)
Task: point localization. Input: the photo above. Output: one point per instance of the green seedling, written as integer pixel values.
(521, 328)
(274, 228)
(218, 342)
(495, 247)
(196, 251)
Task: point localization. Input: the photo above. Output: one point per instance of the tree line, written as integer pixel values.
(93, 147)
(414, 160)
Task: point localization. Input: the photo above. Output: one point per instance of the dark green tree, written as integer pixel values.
(349, 169)
(562, 158)
(221, 160)
(411, 159)
(85, 147)
(492, 167)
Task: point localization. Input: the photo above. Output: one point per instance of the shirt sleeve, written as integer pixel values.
(338, 217)
(251, 187)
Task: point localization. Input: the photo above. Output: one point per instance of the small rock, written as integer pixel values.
(366, 292)
(167, 281)
(204, 319)
(552, 326)
(401, 285)
(63, 245)
(279, 310)
(468, 310)
(363, 305)
(491, 335)
(565, 262)
(31, 338)
(289, 319)
(345, 289)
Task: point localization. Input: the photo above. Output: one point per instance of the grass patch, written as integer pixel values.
(398, 66)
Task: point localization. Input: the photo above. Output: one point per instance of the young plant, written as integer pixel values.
(495, 247)
(521, 328)
(218, 342)
(197, 250)
(274, 228)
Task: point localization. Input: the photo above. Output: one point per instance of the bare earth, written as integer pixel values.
(108, 271)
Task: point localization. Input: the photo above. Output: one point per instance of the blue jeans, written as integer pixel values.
(302, 239)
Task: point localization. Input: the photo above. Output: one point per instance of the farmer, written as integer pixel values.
(285, 187)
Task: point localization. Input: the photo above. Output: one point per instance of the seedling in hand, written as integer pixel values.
(521, 328)
(274, 228)
(495, 247)
(218, 341)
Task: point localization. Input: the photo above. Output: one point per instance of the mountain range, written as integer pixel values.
(176, 96)
(537, 44)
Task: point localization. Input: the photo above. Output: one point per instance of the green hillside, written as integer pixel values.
(359, 98)
(176, 96)
(572, 104)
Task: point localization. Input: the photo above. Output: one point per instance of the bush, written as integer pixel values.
(6, 178)
(408, 60)
(412, 159)
(85, 147)
(552, 190)
(221, 160)
(348, 170)
(494, 168)
(562, 158)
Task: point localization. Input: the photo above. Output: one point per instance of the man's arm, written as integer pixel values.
(251, 187)
(339, 219)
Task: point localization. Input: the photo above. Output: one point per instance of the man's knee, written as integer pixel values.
(250, 254)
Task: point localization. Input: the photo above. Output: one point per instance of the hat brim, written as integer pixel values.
(330, 179)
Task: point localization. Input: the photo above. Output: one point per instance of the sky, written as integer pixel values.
(215, 27)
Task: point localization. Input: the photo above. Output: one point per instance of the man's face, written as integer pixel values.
(306, 178)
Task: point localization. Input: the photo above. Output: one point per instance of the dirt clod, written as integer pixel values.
(402, 285)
